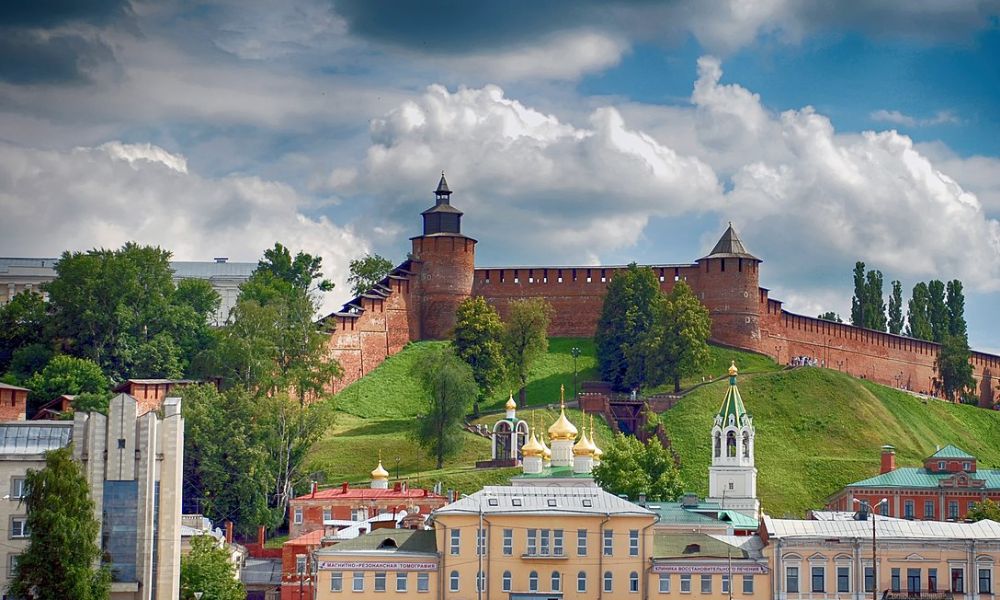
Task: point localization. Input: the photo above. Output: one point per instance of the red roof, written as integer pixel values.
(338, 493)
(313, 538)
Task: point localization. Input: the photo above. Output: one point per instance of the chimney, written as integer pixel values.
(314, 486)
(888, 460)
(229, 532)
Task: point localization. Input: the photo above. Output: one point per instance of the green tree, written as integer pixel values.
(626, 316)
(917, 317)
(92, 402)
(478, 341)
(632, 468)
(896, 309)
(450, 387)
(830, 316)
(874, 301)
(61, 556)
(304, 271)
(955, 302)
(208, 569)
(22, 323)
(365, 272)
(28, 360)
(953, 367)
(525, 338)
(937, 310)
(65, 375)
(859, 302)
(677, 343)
(987, 509)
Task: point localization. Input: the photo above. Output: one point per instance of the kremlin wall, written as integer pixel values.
(417, 301)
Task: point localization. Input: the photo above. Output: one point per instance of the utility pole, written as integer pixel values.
(575, 351)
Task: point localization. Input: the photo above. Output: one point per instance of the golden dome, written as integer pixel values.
(511, 405)
(532, 447)
(584, 447)
(733, 370)
(380, 473)
(546, 454)
(562, 429)
(598, 453)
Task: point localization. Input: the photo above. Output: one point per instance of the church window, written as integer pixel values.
(746, 444)
(718, 445)
(731, 444)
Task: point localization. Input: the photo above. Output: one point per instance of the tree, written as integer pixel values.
(525, 338)
(450, 387)
(626, 316)
(875, 301)
(918, 318)
(629, 467)
(987, 509)
(955, 302)
(478, 341)
(92, 402)
(937, 310)
(65, 375)
(830, 316)
(61, 556)
(304, 271)
(953, 367)
(677, 343)
(28, 360)
(859, 302)
(896, 308)
(208, 569)
(22, 323)
(365, 272)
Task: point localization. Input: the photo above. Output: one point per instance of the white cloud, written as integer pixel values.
(941, 117)
(107, 195)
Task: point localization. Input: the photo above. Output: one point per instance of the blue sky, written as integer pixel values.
(572, 132)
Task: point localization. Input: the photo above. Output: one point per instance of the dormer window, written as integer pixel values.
(692, 549)
(966, 466)
(587, 502)
(515, 501)
(387, 543)
(941, 465)
(493, 502)
(551, 502)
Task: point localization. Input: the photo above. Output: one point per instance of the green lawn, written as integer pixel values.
(818, 429)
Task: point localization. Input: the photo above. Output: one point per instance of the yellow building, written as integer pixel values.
(400, 562)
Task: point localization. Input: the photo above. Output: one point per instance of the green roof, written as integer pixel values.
(740, 520)
(553, 473)
(732, 404)
(913, 477)
(703, 513)
(406, 540)
(950, 451)
(693, 545)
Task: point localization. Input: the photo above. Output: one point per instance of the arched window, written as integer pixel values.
(533, 581)
(608, 581)
(556, 581)
(506, 581)
(454, 581)
(731, 444)
(581, 581)
(633, 582)
(718, 445)
(746, 444)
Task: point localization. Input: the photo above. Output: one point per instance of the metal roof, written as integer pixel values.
(400, 540)
(951, 451)
(182, 269)
(919, 477)
(693, 545)
(732, 404)
(258, 571)
(886, 529)
(7, 386)
(542, 501)
(553, 473)
(34, 437)
(730, 246)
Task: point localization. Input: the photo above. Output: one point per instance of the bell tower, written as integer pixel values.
(732, 478)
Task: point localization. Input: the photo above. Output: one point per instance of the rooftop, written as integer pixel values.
(950, 451)
(7, 386)
(386, 540)
(886, 529)
(34, 437)
(552, 473)
(695, 545)
(516, 499)
(730, 246)
(703, 513)
(182, 269)
(919, 477)
(359, 493)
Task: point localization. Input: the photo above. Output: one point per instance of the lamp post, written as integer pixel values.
(576, 354)
(397, 468)
(874, 553)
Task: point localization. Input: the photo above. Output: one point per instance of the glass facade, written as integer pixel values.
(119, 534)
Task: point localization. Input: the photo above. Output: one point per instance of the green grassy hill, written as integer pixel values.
(819, 429)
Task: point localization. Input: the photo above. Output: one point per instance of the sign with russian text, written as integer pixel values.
(711, 569)
(357, 565)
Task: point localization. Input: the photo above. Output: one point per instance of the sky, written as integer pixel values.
(572, 133)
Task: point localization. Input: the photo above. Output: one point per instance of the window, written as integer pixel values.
(932, 581)
(883, 509)
(633, 542)
(725, 584)
(818, 579)
(380, 581)
(581, 582)
(456, 541)
(731, 444)
(359, 514)
(453, 581)
(588, 502)
(929, 510)
(515, 502)
(297, 518)
(792, 580)
(532, 546)
(533, 581)
(608, 581)
(843, 579)
(16, 488)
(505, 581)
(966, 466)
(300, 564)
(908, 509)
(557, 542)
(706, 584)
(664, 583)
(402, 581)
(940, 465)
(336, 581)
(952, 509)
(895, 580)
(685, 584)
(633, 582)
(556, 581)
(423, 582)
(327, 514)
(957, 581)
(480, 581)
(543, 546)
(508, 542)
(748, 584)
(493, 501)
(581, 542)
(985, 586)
(358, 582)
(480, 542)
(913, 581)
(869, 579)
(609, 539)
(19, 527)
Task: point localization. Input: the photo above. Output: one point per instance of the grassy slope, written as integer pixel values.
(818, 429)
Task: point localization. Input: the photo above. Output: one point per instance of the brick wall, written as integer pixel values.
(444, 279)
(13, 404)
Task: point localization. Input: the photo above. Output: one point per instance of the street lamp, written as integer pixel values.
(874, 555)
(397, 468)
(576, 354)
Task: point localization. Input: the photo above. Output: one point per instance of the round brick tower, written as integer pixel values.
(728, 285)
(444, 261)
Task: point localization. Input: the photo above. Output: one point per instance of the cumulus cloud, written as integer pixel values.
(942, 117)
(107, 195)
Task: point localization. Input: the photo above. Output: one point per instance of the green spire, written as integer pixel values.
(733, 402)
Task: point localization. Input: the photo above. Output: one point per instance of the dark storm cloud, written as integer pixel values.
(48, 13)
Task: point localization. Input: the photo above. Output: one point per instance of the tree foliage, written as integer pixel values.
(937, 310)
(61, 556)
(953, 367)
(22, 323)
(208, 569)
(626, 316)
(304, 271)
(896, 308)
(65, 375)
(366, 271)
(450, 387)
(677, 343)
(478, 340)
(632, 468)
(955, 304)
(987, 509)
(525, 338)
(830, 316)
(868, 303)
(918, 323)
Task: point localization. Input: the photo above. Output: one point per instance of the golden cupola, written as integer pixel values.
(532, 447)
(562, 429)
(584, 447)
(598, 453)
(380, 474)
(511, 405)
